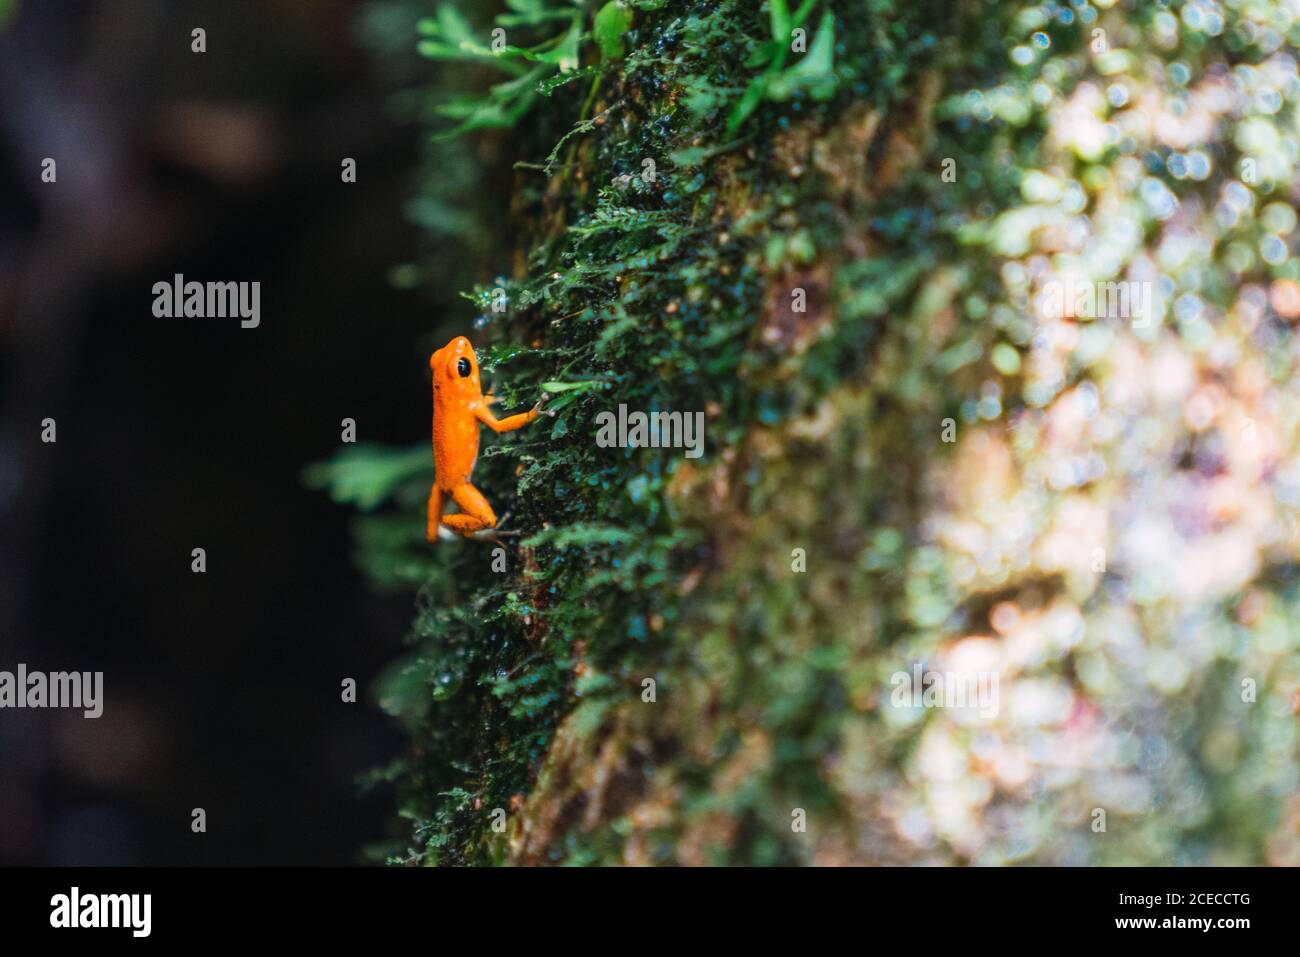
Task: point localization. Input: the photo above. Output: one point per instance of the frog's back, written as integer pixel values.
(455, 443)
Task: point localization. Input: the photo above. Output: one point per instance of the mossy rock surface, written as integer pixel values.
(837, 255)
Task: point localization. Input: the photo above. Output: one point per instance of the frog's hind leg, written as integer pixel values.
(475, 512)
(437, 502)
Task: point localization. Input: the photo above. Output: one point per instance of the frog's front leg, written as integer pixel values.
(509, 423)
(475, 512)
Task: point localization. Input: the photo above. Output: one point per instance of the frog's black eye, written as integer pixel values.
(463, 367)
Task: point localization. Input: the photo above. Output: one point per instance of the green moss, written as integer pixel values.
(668, 287)
(645, 285)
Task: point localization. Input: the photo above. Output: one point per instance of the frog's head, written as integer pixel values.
(455, 370)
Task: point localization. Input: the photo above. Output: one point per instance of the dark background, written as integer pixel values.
(222, 690)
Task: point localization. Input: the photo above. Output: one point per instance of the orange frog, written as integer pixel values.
(459, 405)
